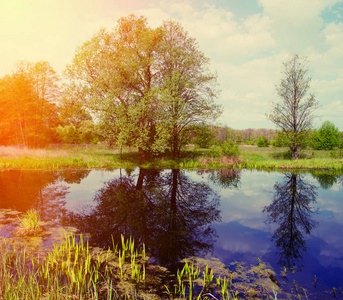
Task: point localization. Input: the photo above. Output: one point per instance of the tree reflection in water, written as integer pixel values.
(225, 178)
(168, 211)
(44, 191)
(291, 210)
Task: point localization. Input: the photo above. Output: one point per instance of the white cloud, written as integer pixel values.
(297, 24)
(247, 52)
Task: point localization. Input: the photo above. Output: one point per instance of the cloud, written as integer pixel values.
(297, 24)
(221, 36)
(246, 50)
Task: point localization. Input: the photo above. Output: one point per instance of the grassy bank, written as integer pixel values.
(279, 158)
(90, 156)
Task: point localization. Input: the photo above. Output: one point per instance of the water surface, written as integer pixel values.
(288, 220)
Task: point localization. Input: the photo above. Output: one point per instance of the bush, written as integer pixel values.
(215, 151)
(225, 149)
(204, 136)
(229, 149)
(68, 134)
(327, 137)
(280, 140)
(262, 142)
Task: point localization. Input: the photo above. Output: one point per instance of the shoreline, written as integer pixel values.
(102, 157)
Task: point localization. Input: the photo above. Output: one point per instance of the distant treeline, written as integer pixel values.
(326, 137)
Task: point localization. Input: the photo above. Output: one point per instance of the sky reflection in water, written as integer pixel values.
(234, 216)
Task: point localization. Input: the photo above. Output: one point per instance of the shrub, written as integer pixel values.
(280, 140)
(327, 137)
(229, 149)
(68, 134)
(262, 142)
(225, 149)
(204, 136)
(215, 151)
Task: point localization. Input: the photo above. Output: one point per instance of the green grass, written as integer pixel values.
(72, 270)
(279, 158)
(29, 223)
(97, 156)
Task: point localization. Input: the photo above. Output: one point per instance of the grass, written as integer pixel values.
(279, 158)
(98, 156)
(72, 270)
(29, 223)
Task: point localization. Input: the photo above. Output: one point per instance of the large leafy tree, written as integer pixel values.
(294, 114)
(188, 86)
(145, 85)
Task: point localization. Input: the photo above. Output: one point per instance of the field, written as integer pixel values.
(98, 156)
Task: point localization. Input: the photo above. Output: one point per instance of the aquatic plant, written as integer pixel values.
(72, 270)
(29, 223)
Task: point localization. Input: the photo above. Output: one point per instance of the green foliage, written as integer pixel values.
(214, 151)
(146, 86)
(27, 105)
(204, 136)
(86, 132)
(229, 148)
(68, 134)
(262, 142)
(71, 109)
(280, 140)
(327, 137)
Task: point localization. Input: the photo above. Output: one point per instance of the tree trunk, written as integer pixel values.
(175, 147)
(295, 152)
(142, 154)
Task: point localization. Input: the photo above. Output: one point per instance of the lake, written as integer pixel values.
(290, 221)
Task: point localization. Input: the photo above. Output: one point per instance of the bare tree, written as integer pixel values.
(294, 113)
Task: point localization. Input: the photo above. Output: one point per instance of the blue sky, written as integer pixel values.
(247, 41)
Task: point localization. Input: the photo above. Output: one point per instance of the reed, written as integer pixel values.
(71, 270)
(29, 223)
(74, 270)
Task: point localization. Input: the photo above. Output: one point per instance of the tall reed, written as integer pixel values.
(71, 270)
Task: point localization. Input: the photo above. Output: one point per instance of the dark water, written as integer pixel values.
(288, 220)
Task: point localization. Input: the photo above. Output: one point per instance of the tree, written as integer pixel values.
(146, 85)
(327, 137)
(27, 101)
(71, 110)
(188, 87)
(294, 113)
